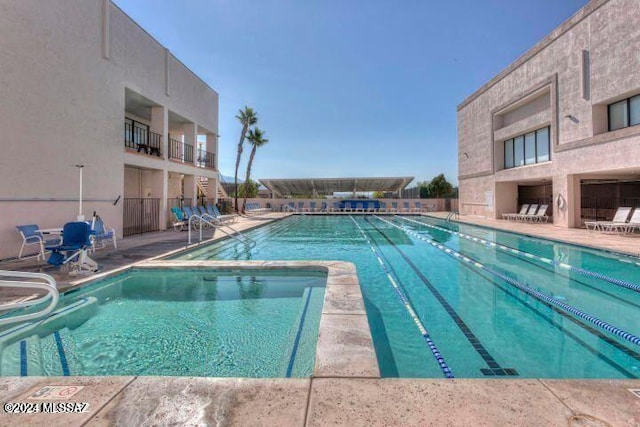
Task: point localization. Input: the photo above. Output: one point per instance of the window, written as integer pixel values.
(624, 113)
(518, 151)
(528, 149)
(542, 145)
(508, 154)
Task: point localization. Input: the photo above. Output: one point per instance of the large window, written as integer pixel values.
(534, 147)
(624, 113)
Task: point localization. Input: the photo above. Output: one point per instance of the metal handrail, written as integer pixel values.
(217, 224)
(452, 214)
(50, 286)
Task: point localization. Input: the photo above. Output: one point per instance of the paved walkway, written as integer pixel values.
(629, 244)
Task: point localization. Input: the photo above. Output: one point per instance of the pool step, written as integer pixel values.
(22, 358)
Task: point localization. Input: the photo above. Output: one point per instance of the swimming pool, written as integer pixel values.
(456, 300)
(185, 322)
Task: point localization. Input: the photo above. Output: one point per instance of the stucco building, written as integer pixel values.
(82, 84)
(561, 125)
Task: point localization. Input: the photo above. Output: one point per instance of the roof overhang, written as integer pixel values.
(328, 186)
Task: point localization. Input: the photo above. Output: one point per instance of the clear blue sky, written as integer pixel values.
(347, 88)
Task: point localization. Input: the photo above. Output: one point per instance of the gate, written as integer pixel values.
(140, 215)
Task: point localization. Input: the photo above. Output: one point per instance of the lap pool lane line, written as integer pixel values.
(407, 305)
(524, 288)
(510, 250)
(528, 257)
(493, 367)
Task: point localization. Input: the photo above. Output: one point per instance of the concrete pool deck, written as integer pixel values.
(140, 401)
(628, 244)
(353, 399)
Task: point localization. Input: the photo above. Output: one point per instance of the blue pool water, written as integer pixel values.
(503, 305)
(176, 322)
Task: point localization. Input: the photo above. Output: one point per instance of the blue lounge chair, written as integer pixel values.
(383, 207)
(312, 206)
(31, 236)
(394, 206)
(73, 251)
(405, 207)
(348, 207)
(359, 207)
(102, 235)
(323, 207)
(180, 220)
(215, 213)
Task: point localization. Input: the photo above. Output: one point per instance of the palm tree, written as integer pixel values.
(257, 139)
(248, 118)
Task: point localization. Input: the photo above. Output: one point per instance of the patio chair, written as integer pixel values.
(540, 216)
(335, 207)
(323, 207)
(359, 207)
(532, 211)
(383, 207)
(102, 235)
(523, 211)
(221, 217)
(348, 207)
(180, 220)
(632, 225)
(394, 207)
(312, 206)
(73, 251)
(301, 207)
(31, 236)
(418, 207)
(620, 217)
(405, 207)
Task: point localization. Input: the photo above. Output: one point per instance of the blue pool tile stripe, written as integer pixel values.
(622, 283)
(23, 358)
(524, 288)
(296, 342)
(493, 367)
(405, 301)
(61, 354)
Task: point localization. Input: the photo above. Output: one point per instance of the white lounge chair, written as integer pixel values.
(532, 211)
(623, 227)
(540, 216)
(523, 211)
(620, 218)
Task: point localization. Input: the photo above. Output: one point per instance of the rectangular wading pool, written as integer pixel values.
(446, 299)
(176, 321)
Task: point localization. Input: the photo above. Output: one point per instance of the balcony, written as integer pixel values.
(180, 151)
(206, 159)
(142, 140)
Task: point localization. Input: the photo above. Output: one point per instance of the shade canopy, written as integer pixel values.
(328, 186)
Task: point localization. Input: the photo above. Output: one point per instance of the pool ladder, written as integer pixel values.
(452, 215)
(199, 220)
(39, 281)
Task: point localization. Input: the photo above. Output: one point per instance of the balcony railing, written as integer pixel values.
(206, 159)
(181, 151)
(142, 140)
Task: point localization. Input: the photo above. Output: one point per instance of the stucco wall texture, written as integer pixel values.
(64, 67)
(607, 33)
